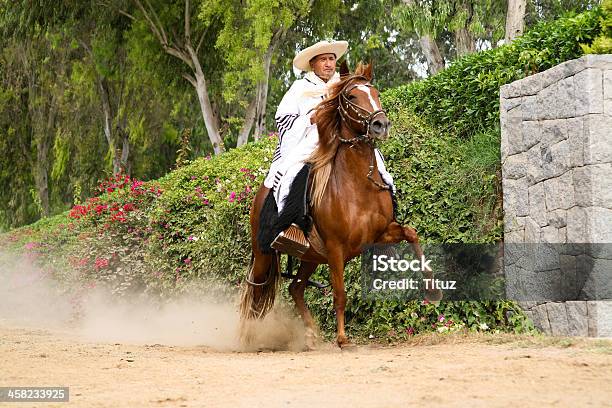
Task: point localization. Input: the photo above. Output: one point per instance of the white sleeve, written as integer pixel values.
(291, 124)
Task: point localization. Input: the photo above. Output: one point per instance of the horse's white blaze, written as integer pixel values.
(366, 89)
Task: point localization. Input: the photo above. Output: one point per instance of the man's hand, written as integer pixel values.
(313, 117)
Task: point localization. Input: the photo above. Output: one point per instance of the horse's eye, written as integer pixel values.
(352, 97)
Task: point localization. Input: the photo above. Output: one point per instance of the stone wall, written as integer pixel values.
(556, 149)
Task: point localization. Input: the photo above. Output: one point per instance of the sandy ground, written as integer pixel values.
(449, 371)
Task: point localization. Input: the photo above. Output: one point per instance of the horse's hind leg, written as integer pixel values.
(396, 233)
(259, 289)
(296, 288)
(410, 233)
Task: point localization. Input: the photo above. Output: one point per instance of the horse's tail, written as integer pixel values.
(257, 299)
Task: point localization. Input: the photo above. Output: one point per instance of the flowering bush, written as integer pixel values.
(114, 229)
(201, 222)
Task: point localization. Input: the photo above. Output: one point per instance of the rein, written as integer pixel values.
(364, 118)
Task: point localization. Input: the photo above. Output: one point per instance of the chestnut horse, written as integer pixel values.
(350, 205)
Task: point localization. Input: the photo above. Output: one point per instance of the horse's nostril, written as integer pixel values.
(379, 126)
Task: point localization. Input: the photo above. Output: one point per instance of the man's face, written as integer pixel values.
(324, 66)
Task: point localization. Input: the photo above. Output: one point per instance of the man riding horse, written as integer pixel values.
(349, 207)
(296, 121)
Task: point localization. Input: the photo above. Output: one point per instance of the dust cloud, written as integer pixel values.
(30, 297)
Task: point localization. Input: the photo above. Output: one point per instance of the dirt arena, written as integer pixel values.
(451, 371)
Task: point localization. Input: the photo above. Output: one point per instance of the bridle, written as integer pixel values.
(363, 117)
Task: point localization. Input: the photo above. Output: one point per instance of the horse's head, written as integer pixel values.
(359, 103)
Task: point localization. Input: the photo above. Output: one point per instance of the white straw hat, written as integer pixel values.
(302, 59)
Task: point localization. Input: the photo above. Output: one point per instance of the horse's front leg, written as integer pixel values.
(296, 289)
(336, 265)
(396, 233)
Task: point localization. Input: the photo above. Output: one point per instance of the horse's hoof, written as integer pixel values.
(310, 345)
(348, 346)
(343, 342)
(311, 340)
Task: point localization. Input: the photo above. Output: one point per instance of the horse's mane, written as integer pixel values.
(328, 125)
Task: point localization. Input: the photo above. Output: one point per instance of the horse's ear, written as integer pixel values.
(360, 68)
(368, 72)
(344, 69)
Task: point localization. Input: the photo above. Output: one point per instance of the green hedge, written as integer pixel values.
(464, 98)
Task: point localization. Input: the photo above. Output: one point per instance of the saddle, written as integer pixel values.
(292, 231)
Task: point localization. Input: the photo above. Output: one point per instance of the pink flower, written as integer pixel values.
(410, 331)
(136, 184)
(441, 318)
(31, 245)
(101, 263)
(188, 261)
(232, 197)
(191, 238)
(247, 189)
(129, 207)
(425, 302)
(100, 208)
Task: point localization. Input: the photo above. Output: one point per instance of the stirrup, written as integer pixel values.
(291, 241)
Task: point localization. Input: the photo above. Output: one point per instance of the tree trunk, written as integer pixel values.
(125, 153)
(435, 62)
(108, 124)
(189, 55)
(42, 135)
(42, 124)
(262, 95)
(208, 115)
(45, 140)
(249, 118)
(42, 171)
(464, 41)
(257, 108)
(515, 19)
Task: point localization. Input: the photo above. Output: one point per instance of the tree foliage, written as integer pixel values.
(87, 88)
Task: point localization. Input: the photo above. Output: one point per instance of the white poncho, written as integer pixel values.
(293, 122)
